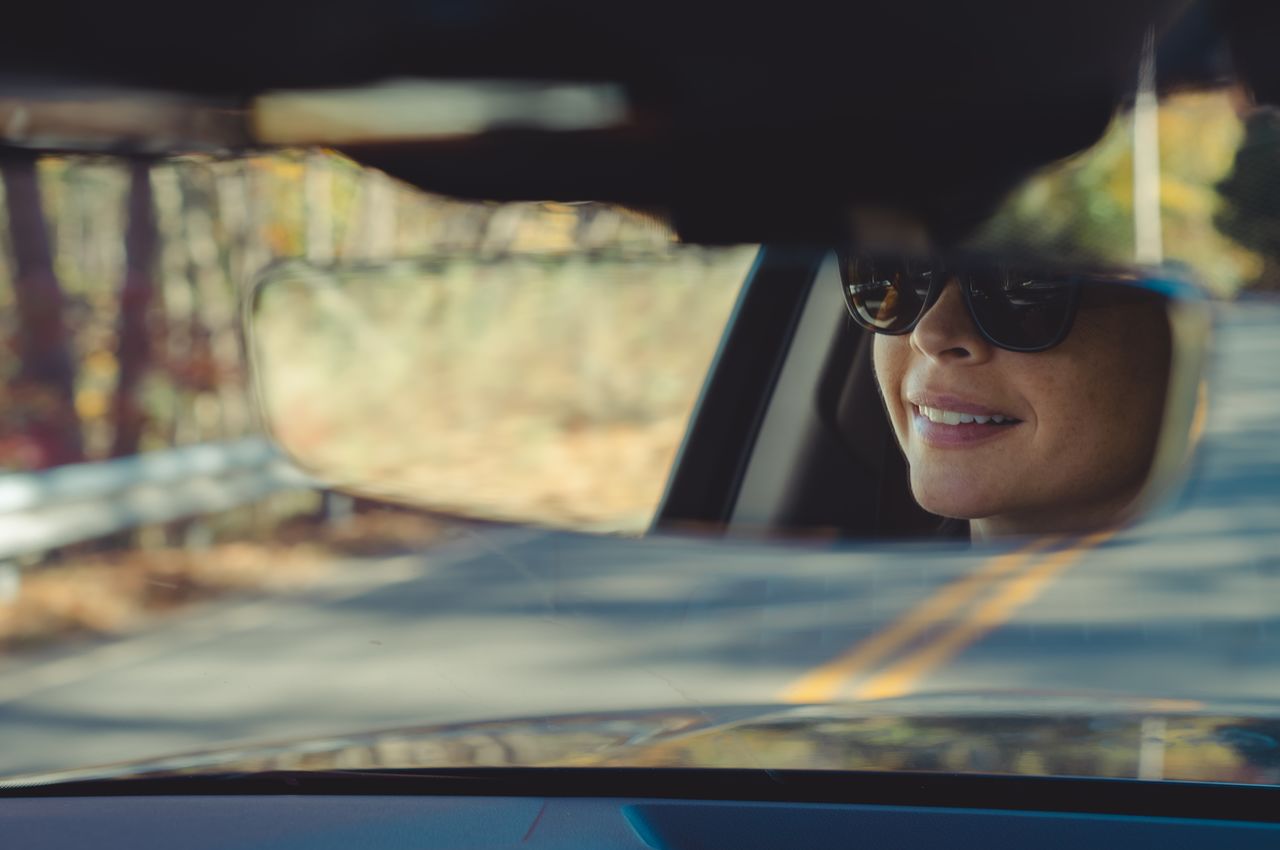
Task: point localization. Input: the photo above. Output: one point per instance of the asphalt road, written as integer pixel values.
(1185, 607)
(514, 626)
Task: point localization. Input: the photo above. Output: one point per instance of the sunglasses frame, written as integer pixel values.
(962, 271)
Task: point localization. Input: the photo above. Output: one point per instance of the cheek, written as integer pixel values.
(1086, 459)
(890, 355)
(1101, 403)
(1119, 373)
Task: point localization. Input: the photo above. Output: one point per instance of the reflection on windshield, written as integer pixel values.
(1182, 747)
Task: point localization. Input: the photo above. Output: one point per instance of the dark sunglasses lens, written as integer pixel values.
(885, 295)
(1022, 310)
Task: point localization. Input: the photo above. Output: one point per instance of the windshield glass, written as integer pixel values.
(305, 467)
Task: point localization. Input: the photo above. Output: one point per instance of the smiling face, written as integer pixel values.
(1058, 440)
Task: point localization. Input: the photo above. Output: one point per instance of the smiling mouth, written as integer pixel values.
(939, 416)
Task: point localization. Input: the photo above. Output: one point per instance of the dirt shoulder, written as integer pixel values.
(110, 593)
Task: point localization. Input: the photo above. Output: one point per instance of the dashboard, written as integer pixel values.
(400, 822)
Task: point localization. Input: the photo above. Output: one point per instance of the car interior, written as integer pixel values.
(789, 437)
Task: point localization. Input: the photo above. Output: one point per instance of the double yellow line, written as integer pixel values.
(1016, 577)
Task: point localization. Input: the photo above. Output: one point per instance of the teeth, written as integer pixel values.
(951, 417)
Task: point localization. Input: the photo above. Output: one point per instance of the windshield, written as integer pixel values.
(306, 467)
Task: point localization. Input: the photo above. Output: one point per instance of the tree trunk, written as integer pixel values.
(133, 354)
(42, 391)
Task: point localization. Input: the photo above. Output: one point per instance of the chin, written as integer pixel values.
(955, 499)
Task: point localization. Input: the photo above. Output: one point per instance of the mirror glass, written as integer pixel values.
(543, 386)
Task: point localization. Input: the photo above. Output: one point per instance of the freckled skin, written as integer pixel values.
(1091, 409)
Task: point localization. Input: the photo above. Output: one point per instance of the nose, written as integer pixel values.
(946, 331)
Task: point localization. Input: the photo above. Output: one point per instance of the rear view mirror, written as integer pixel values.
(556, 388)
(551, 388)
(550, 379)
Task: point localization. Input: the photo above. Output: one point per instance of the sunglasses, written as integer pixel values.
(1018, 309)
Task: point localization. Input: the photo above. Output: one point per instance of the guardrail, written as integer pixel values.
(40, 511)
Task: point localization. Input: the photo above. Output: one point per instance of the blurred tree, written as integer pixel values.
(197, 372)
(42, 389)
(1250, 212)
(133, 353)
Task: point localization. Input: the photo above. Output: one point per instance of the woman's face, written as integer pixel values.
(1080, 420)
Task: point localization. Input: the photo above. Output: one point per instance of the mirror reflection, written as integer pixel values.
(1024, 399)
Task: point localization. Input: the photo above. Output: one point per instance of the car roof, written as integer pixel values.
(749, 124)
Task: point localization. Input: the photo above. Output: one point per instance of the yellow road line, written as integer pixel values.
(898, 679)
(1200, 416)
(823, 683)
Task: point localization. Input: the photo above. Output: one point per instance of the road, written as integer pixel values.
(1184, 607)
(498, 626)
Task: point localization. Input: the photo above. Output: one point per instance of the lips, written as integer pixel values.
(945, 421)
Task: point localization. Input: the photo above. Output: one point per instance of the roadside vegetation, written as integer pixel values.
(121, 300)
